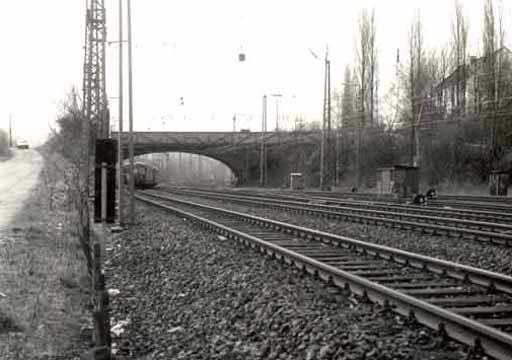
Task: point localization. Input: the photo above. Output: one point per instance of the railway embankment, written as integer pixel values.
(185, 293)
(497, 258)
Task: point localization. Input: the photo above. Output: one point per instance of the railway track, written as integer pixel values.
(485, 203)
(471, 198)
(495, 233)
(464, 214)
(467, 304)
(478, 198)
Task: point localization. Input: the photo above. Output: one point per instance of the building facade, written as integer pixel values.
(473, 89)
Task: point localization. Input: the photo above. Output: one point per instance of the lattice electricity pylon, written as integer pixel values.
(94, 87)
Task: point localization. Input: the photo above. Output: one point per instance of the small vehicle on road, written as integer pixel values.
(22, 144)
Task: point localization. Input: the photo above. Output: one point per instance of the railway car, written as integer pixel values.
(144, 175)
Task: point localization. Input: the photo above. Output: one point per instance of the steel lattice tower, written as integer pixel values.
(94, 87)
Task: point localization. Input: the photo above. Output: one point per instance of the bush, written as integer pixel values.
(4, 143)
(450, 152)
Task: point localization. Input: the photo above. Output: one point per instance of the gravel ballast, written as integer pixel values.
(475, 253)
(190, 294)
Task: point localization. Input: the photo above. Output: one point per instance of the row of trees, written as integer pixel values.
(434, 88)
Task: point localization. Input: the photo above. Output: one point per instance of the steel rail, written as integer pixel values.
(470, 198)
(463, 214)
(466, 214)
(503, 205)
(387, 219)
(475, 275)
(470, 332)
(477, 198)
(444, 210)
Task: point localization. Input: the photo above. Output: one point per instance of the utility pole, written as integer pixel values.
(337, 145)
(130, 115)
(200, 168)
(263, 154)
(10, 130)
(326, 125)
(358, 144)
(277, 96)
(180, 167)
(120, 130)
(330, 153)
(277, 114)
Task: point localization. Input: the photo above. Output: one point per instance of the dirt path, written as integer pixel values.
(17, 177)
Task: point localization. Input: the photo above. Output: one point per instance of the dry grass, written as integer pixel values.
(41, 270)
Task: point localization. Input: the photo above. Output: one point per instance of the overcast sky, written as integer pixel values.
(189, 49)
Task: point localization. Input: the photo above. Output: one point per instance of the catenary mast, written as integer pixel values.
(95, 104)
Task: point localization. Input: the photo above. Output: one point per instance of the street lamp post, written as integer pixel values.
(277, 96)
(325, 180)
(130, 116)
(10, 130)
(263, 154)
(326, 118)
(119, 145)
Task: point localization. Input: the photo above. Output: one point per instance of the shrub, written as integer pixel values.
(4, 143)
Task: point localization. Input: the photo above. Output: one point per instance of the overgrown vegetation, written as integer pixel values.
(449, 112)
(72, 143)
(69, 144)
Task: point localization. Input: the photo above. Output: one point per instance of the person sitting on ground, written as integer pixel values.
(419, 199)
(431, 193)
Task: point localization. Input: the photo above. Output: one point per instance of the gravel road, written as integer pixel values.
(17, 177)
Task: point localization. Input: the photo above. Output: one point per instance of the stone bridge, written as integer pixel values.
(240, 151)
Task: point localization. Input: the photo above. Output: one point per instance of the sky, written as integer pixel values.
(189, 49)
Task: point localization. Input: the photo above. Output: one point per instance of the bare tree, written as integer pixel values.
(366, 68)
(347, 100)
(443, 73)
(416, 84)
(72, 142)
(372, 71)
(493, 75)
(459, 56)
(366, 80)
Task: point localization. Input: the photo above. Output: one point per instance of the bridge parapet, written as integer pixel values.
(203, 140)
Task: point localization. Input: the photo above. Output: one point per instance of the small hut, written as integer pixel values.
(402, 180)
(296, 181)
(498, 182)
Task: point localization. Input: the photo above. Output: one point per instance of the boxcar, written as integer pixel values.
(145, 175)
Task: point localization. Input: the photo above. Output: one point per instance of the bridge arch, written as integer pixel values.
(235, 171)
(239, 151)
